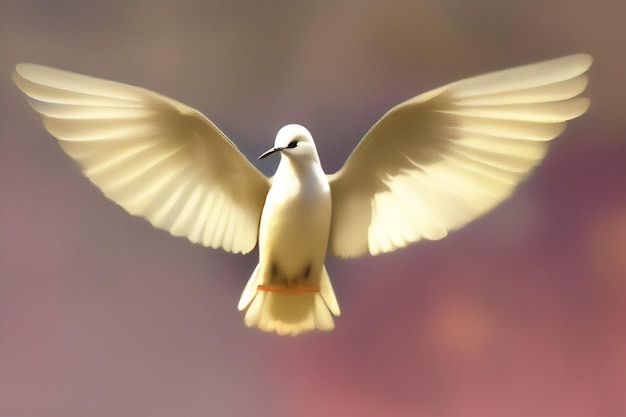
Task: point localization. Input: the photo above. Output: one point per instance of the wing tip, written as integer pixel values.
(583, 59)
(578, 64)
(28, 71)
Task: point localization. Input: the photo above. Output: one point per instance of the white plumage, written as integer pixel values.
(428, 166)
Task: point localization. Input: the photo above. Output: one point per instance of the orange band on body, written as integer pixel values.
(283, 290)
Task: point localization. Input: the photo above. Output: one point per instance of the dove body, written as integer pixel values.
(295, 222)
(284, 292)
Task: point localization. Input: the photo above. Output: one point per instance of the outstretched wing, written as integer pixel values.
(154, 156)
(443, 158)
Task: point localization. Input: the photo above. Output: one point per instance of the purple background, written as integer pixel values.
(522, 313)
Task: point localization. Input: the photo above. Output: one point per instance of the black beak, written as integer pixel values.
(269, 152)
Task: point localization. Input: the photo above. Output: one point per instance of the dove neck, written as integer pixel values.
(300, 179)
(301, 166)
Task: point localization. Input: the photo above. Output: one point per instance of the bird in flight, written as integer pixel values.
(430, 165)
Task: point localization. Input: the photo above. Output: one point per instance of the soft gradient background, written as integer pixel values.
(522, 313)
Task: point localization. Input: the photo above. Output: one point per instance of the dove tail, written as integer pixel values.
(289, 311)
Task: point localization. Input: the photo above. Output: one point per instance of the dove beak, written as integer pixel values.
(269, 152)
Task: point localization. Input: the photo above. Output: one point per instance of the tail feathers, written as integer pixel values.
(250, 289)
(289, 312)
(327, 293)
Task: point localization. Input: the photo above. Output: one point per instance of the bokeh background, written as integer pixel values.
(521, 313)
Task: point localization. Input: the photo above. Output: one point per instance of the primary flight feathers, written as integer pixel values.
(445, 157)
(155, 157)
(428, 166)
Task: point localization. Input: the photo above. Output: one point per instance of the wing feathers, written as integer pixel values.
(509, 129)
(430, 165)
(562, 90)
(441, 159)
(524, 77)
(38, 78)
(529, 112)
(155, 157)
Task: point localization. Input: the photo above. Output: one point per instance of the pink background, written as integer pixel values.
(522, 313)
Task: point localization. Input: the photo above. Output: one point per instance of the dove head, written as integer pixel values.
(294, 142)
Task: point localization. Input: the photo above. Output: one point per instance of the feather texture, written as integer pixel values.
(154, 156)
(445, 157)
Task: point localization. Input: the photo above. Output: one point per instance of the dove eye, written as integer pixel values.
(293, 144)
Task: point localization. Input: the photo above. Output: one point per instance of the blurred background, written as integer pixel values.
(521, 313)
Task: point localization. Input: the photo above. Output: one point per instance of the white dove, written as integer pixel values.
(428, 166)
